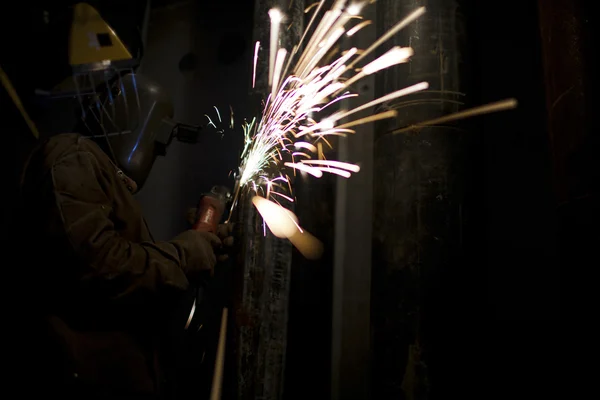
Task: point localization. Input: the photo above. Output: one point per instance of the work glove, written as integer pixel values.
(201, 257)
(224, 233)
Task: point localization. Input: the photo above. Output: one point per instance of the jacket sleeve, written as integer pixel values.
(111, 266)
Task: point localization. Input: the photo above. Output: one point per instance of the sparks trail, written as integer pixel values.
(287, 136)
(296, 120)
(220, 129)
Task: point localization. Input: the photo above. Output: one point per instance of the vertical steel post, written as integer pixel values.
(418, 196)
(261, 305)
(352, 257)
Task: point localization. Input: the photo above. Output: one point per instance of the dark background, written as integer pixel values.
(500, 333)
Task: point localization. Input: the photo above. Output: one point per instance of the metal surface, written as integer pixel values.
(418, 214)
(568, 31)
(567, 52)
(261, 306)
(351, 316)
(261, 309)
(291, 30)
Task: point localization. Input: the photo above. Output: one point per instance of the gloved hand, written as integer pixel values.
(202, 257)
(224, 233)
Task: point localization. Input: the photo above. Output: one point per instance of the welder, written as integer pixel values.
(106, 288)
(96, 291)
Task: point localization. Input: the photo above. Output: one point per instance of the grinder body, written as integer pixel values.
(211, 208)
(209, 213)
(202, 305)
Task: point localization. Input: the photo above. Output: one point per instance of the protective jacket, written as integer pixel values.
(100, 289)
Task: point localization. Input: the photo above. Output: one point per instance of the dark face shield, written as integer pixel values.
(133, 123)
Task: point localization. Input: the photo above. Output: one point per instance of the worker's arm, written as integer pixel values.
(114, 268)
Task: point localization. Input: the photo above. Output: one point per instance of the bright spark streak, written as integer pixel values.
(256, 48)
(275, 15)
(400, 25)
(313, 5)
(311, 20)
(336, 171)
(327, 124)
(284, 196)
(399, 93)
(503, 105)
(358, 27)
(333, 132)
(284, 224)
(335, 164)
(402, 92)
(210, 121)
(311, 170)
(218, 113)
(299, 153)
(354, 9)
(371, 118)
(346, 96)
(281, 222)
(395, 55)
(327, 22)
(276, 18)
(298, 114)
(305, 145)
(281, 53)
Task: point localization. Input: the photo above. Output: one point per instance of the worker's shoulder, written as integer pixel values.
(63, 146)
(59, 151)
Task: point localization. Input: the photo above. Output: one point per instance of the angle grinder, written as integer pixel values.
(210, 210)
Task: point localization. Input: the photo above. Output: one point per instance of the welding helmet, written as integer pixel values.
(127, 114)
(133, 123)
(96, 83)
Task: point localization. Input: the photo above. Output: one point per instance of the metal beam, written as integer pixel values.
(352, 262)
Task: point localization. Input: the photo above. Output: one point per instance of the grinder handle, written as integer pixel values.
(210, 211)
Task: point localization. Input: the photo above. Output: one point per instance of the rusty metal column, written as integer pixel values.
(418, 199)
(262, 289)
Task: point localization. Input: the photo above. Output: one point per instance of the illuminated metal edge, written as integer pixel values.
(261, 307)
(262, 293)
(351, 292)
(191, 316)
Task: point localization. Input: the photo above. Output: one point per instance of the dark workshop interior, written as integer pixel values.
(442, 263)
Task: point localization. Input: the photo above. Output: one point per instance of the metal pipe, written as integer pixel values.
(261, 305)
(351, 317)
(417, 195)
